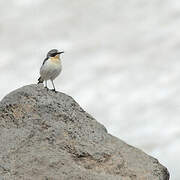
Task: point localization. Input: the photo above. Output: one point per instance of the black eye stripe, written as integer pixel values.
(54, 54)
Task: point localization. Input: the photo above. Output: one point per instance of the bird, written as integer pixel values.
(51, 68)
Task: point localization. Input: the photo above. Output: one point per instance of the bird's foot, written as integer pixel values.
(46, 88)
(54, 90)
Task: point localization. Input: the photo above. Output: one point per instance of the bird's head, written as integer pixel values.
(54, 53)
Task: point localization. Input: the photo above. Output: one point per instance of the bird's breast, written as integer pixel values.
(52, 65)
(51, 69)
(55, 60)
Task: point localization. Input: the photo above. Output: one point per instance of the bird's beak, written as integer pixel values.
(60, 52)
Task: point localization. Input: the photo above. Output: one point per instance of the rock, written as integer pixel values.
(47, 136)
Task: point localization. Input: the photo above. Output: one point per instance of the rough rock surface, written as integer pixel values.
(48, 136)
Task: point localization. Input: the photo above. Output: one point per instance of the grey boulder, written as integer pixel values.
(47, 136)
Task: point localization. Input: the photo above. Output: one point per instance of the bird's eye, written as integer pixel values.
(54, 54)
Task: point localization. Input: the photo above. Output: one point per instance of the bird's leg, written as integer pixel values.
(54, 89)
(46, 85)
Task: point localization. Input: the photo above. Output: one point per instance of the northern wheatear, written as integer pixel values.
(51, 67)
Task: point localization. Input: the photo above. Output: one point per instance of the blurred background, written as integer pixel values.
(121, 63)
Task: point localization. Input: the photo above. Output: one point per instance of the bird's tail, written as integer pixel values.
(40, 80)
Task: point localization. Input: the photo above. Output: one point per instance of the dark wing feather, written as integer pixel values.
(40, 80)
(45, 60)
